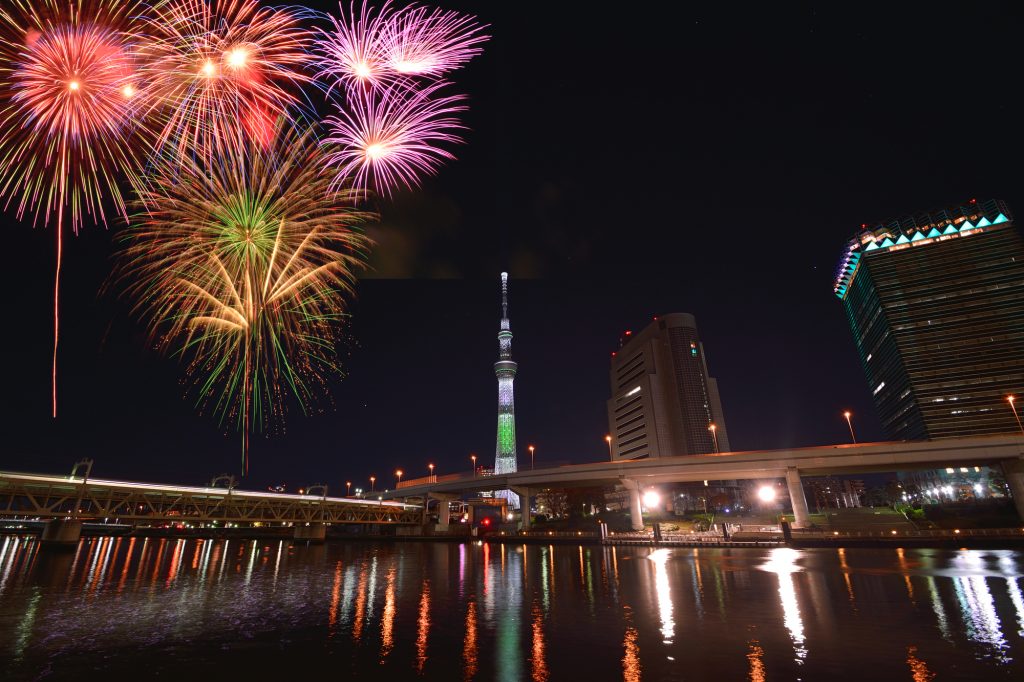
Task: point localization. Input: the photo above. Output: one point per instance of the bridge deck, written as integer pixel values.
(33, 495)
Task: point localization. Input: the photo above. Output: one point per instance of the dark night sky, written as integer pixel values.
(620, 165)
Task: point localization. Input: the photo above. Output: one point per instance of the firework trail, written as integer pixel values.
(393, 123)
(220, 71)
(389, 139)
(67, 94)
(242, 264)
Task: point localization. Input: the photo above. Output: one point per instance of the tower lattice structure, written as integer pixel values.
(505, 370)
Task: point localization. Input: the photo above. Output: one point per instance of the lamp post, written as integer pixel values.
(373, 482)
(348, 488)
(849, 423)
(608, 439)
(399, 475)
(531, 449)
(473, 457)
(1010, 399)
(714, 435)
(431, 467)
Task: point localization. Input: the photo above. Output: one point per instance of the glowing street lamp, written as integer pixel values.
(1010, 399)
(399, 475)
(714, 434)
(651, 499)
(473, 457)
(348, 488)
(531, 449)
(608, 439)
(766, 494)
(849, 423)
(373, 482)
(431, 467)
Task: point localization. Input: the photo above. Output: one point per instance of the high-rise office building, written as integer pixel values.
(936, 305)
(505, 369)
(663, 401)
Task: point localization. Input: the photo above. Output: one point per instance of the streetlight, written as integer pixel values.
(373, 482)
(431, 467)
(608, 439)
(531, 449)
(399, 474)
(348, 488)
(714, 434)
(1016, 416)
(849, 423)
(766, 493)
(473, 457)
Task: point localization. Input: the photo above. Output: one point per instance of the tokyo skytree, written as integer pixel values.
(505, 369)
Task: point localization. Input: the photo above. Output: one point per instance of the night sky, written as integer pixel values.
(619, 164)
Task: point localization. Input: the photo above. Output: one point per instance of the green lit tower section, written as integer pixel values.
(505, 369)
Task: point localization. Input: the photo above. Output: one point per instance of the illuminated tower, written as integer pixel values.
(505, 369)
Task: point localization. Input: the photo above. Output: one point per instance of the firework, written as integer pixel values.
(382, 48)
(353, 54)
(421, 42)
(242, 264)
(219, 71)
(388, 139)
(67, 86)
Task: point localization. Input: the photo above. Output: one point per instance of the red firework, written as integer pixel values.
(67, 90)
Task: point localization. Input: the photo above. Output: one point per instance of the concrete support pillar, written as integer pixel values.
(801, 517)
(443, 523)
(314, 532)
(525, 502)
(636, 517)
(1014, 472)
(61, 533)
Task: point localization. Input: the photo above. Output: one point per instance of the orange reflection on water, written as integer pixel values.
(756, 658)
(387, 624)
(127, 563)
(631, 656)
(918, 669)
(469, 642)
(357, 623)
(846, 576)
(537, 659)
(335, 597)
(423, 623)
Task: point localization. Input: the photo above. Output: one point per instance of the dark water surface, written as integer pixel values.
(144, 608)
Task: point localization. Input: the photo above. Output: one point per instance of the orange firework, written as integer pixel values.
(67, 94)
(222, 71)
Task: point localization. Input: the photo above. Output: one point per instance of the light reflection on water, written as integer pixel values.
(506, 612)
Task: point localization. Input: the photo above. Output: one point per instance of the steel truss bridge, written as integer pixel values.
(83, 498)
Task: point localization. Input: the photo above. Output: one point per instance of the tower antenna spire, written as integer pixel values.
(504, 300)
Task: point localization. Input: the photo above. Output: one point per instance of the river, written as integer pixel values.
(160, 608)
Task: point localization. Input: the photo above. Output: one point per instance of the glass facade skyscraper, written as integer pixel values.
(936, 305)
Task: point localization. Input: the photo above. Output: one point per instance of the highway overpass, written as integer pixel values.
(1004, 450)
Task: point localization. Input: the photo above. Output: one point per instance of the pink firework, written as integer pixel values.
(379, 48)
(353, 53)
(214, 69)
(67, 89)
(423, 42)
(387, 139)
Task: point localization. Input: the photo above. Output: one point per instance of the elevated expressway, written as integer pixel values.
(790, 464)
(69, 500)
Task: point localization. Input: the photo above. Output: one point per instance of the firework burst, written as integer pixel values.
(221, 70)
(371, 48)
(67, 91)
(243, 264)
(423, 42)
(389, 139)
